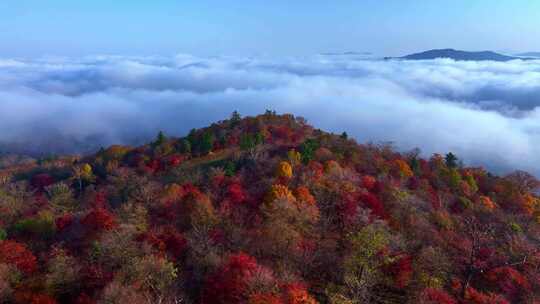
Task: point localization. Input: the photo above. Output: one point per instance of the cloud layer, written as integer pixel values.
(486, 112)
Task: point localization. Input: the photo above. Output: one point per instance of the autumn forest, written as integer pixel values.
(266, 210)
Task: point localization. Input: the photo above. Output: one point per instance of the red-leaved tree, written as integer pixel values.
(17, 254)
(229, 283)
(99, 219)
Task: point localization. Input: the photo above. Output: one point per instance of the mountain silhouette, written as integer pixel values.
(458, 55)
(529, 54)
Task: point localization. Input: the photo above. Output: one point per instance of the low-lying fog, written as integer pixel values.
(485, 112)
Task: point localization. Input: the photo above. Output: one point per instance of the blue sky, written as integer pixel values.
(278, 27)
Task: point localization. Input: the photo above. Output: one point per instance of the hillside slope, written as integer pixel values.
(266, 209)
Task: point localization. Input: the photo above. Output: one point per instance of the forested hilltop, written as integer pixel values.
(266, 210)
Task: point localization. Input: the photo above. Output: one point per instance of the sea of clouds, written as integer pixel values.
(485, 112)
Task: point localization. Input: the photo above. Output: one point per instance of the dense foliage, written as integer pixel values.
(266, 210)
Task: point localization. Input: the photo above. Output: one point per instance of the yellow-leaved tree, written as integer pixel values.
(284, 170)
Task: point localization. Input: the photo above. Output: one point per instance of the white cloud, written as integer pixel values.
(486, 112)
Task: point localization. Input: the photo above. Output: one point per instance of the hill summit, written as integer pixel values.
(266, 209)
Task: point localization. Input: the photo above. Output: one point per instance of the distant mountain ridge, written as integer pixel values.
(458, 55)
(529, 54)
